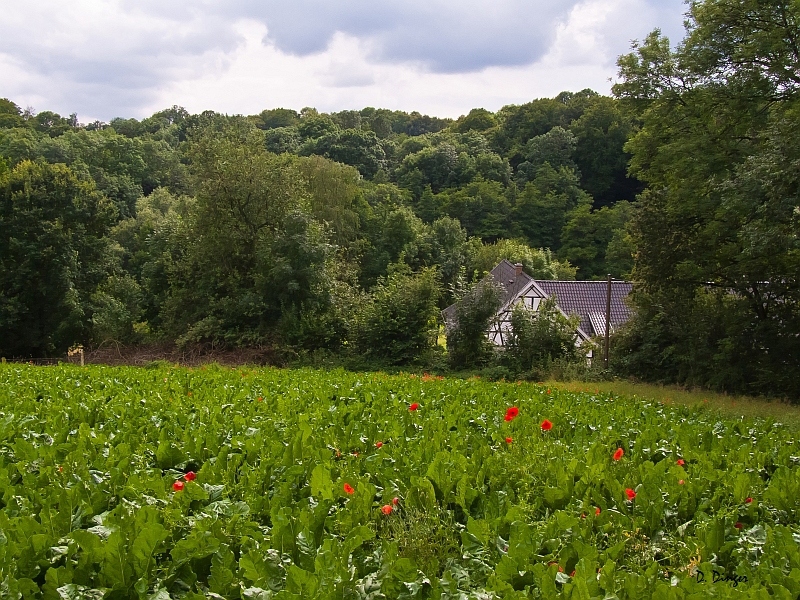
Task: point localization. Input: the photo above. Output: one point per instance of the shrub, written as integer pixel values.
(467, 343)
(399, 322)
(538, 338)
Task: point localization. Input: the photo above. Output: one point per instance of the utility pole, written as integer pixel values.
(608, 320)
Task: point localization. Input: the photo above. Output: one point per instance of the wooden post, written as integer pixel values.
(82, 355)
(608, 320)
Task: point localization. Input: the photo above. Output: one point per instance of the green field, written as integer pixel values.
(297, 472)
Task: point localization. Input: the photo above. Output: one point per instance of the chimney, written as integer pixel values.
(518, 269)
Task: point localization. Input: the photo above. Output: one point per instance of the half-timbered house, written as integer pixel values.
(586, 299)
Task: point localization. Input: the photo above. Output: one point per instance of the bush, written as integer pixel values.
(399, 322)
(540, 338)
(467, 343)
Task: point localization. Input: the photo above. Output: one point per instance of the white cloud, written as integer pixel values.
(106, 58)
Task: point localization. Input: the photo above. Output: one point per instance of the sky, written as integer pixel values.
(130, 58)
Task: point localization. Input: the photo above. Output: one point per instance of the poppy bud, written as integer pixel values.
(178, 486)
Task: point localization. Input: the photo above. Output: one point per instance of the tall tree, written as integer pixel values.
(53, 254)
(721, 208)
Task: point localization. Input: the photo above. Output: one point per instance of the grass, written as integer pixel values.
(729, 406)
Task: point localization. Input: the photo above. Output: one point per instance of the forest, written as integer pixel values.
(344, 234)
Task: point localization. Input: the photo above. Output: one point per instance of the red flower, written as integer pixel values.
(177, 486)
(597, 511)
(348, 489)
(395, 500)
(190, 476)
(680, 462)
(260, 399)
(546, 425)
(414, 406)
(378, 444)
(618, 454)
(738, 525)
(630, 493)
(509, 440)
(748, 500)
(511, 413)
(386, 509)
(681, 482)
(573, 573)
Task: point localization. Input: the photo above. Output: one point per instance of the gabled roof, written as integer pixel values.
(587, 299)
(505, 273)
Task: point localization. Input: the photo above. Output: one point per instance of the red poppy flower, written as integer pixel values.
(630, 493)
(738, 525)
(348, 488)
(260, 399)
(748, 500)
(573, 573)
(618, 454)
(60, 469)
(177, 486)
(190, 476)
(395, 500)
(597, 511)
(414, 406)
(680, 462)
(511, 413)
(681, 482)
(378, 444)
(386, 509)
(509, 440)
(546, 425)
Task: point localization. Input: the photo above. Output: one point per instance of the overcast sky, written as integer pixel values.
(130, 58)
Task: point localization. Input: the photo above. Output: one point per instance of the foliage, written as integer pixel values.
(475, 309)
(597, 240)
(398, 324)
(543, 206)
(539, 264)
(93, 455)
(540, 337)
(54, 252)
(718, 114)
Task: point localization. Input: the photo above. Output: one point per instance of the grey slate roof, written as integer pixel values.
(587, 299)
(505, 274)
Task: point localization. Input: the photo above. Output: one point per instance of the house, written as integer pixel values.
(586, 299)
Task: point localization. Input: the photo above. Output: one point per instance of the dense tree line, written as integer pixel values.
(307, 230)
(347, 232)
